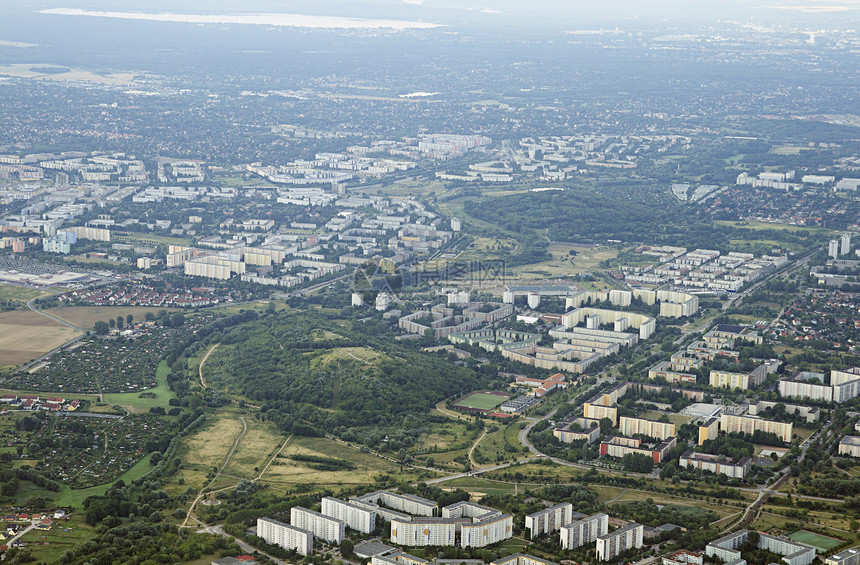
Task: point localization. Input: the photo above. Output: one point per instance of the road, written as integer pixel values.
(249, 549)
(51, 316)
(203, 362)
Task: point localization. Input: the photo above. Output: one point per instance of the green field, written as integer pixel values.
(822, 543)
(21, 294)
(481, 401)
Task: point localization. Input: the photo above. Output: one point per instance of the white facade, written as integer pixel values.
(549, 520)
(584, 531)
(487, 532)
(323, 527)
(285, 535)
(359, 519)
(441, 532)
(609, 546)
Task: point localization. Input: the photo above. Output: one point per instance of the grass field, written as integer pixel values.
(481, 401)
(87, 316)
(206, 448)
(822, 543)
(48, 546)
(586, 260)
(21, 294)
(25, 335)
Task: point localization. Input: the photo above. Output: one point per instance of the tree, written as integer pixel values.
(119, 322)
(101, 328)
(129, 319)
(112, 322)
(347, 548)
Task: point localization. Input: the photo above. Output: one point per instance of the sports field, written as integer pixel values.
(482, 400)
(822, 543)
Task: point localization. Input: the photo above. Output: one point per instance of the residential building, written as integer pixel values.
(584, 530)
(487, 532)
(683, 557)
(727, 379)
(286, 536)
(750, 424)
(323, 527)
(621, 446)
(397, 558)
(578, 429)
(522, 559)
(407, 503)
(355, 517)
(549, 520)
(794, 553)
(709, 430)
(716, 464)
(850, 445)
(651, 428)
(847, 557)
(439, 532)
(611, 545)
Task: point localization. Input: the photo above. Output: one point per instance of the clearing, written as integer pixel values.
(25, 335)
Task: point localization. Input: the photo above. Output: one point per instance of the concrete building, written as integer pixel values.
(397, 558)
(845, 244)
(716, 464)
(833, 249)
(793, 553)
(750, 424)
(683, 557)
(323, 527)
(651, 428)
(355, 517)
(850, 445)
(407, 503)
(549, 520)
(584, 530)
(522, 559)
(727, 379)
(383, 300)
(621, 446)
(286, 536)
(847, 557)
(611, 545)
(487, 532)
(710, 429)
(578, 429)
(415, 534)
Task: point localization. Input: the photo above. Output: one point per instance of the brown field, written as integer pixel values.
(207, 448)
(87, 316)
(25, 335)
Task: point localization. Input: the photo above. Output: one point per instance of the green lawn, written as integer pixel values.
(134, 403)
(822, 543)
(75, 497)
(481, 401)
(21, 294)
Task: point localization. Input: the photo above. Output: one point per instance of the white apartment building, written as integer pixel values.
(850, 445)
(487, 532)
(323, 527)
(549, 520)
(439, 532)
(610, 546)
(584, 531)
(286, 536)
(847, 557)
(359, 519)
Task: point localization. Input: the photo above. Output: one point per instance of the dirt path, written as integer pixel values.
(203, 362)
(272, 458)
(474, 445)
(218, 474)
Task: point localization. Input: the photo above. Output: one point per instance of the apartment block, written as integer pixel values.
(709, 430)
(407, 503)
(611, 545)
(749, 424)
(286, 536)
(359, 519)
(578, 429)
(415, 534)
(323, 527)
(847, 557)
(549, 520)
(715, 464)
(850, 445)
(651, 428)
(584, 530)
(487, 532)
(793, 553)
(522, 559)
(397, 558)
(621, 446)
(727, 379)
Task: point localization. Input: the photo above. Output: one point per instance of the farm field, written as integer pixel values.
(86, 316)
(482, 400)
(25, 335)
(822, 543)
(21, 294)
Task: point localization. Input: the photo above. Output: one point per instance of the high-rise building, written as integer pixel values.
(833, 248)
(584, 531)
(550, 519)
(610, 546)
(323, 527)
(845, 244)
(355, 517)
(286, 536)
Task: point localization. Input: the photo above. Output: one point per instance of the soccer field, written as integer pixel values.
(821, 543)
(481, 400)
